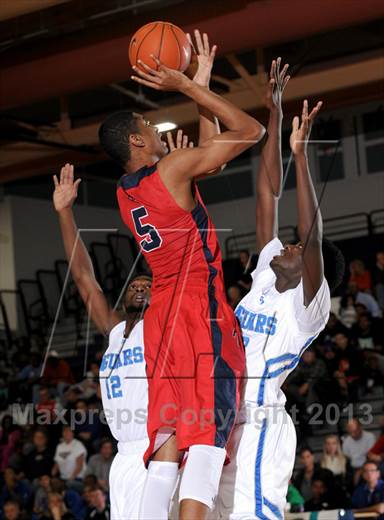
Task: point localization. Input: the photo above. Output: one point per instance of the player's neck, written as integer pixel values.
(282, 284)
(139, 161)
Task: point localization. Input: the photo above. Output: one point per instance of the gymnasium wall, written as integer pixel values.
(30, 236)
(36, 233)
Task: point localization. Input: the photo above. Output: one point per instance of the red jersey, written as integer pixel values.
(180, 246)
(192, 343)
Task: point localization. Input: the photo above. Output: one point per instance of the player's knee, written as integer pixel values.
(202, 473)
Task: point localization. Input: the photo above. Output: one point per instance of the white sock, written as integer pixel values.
(158, 490)
(202, 472)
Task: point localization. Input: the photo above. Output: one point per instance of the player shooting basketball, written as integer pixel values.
(193, 349)
(287, 307)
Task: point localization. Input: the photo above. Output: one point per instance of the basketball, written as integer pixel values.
(165, 41)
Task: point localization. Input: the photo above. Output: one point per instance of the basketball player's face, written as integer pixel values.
(138, 294)
(153, 141)
(289, 262)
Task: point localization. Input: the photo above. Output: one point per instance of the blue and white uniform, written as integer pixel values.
(277, 328)
(124, 392)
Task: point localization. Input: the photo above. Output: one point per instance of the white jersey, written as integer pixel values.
(276, 328)
(123, 381)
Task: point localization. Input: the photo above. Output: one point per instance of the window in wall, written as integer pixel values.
(373, 128)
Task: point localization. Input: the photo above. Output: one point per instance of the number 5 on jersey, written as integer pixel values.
(151, 238)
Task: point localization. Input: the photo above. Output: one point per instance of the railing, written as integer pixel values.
(335, 228)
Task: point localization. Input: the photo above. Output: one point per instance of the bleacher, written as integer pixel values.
(49, 308)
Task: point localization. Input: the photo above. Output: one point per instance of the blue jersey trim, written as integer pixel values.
(258, 490)
(224, 377)
(132, 180)
(273, 508)
(267, 374)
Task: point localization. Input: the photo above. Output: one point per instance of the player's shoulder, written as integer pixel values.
(117, 329)
(133, 180)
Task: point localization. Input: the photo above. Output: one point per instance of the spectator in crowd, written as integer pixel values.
(328, 355)
(57, 510)
(14, 489)
(234, 295)
(347, 310)
(376, 453)
(47, 408)
(70, 459)
(365, 299)
(325, 497)
(9, 435)
(335, 461)
(302, 387)
(87, 427)
(347, 383)
(360, 276)
(87, 388)
(369, 495)
(333, 327)
(294, 499)
(368, 332)
(12, 511)
(310, 471)
(72, 499)
(39, 460)
(356, 445)
(100, 464)
(57, 372)
(378, 278)
(40, 504)
(99, 509)
(28, 377)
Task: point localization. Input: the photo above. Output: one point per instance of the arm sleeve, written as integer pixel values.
(270, 250)
(312, 319)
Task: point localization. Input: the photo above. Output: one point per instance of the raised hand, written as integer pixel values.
(202, 59)
(182, 141)
(66, 189)
(278, 80)
(301, 131)
(163, 78)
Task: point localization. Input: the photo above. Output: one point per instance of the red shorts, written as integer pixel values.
(195, 361)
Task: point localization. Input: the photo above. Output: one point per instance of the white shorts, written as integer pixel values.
(126, 480)
(255, 483)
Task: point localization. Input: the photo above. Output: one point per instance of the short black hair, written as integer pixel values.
(334, 264)
(141, 275)
(306, 448)
(114, 132)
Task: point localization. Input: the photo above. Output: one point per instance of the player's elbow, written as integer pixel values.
(258, 130)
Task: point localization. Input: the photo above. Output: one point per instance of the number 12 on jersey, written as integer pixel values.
(113, 387)
(151, 238)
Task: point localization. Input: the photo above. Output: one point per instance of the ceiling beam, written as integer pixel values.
(248, 79)
(14, 8)
(347, 83)
(76, 65)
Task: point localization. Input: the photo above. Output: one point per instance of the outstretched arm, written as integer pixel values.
(243, 130)
(202, 64)
(310, 224)
(270, 174)
(77, 255)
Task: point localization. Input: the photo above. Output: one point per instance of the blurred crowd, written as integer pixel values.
(52, 471)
